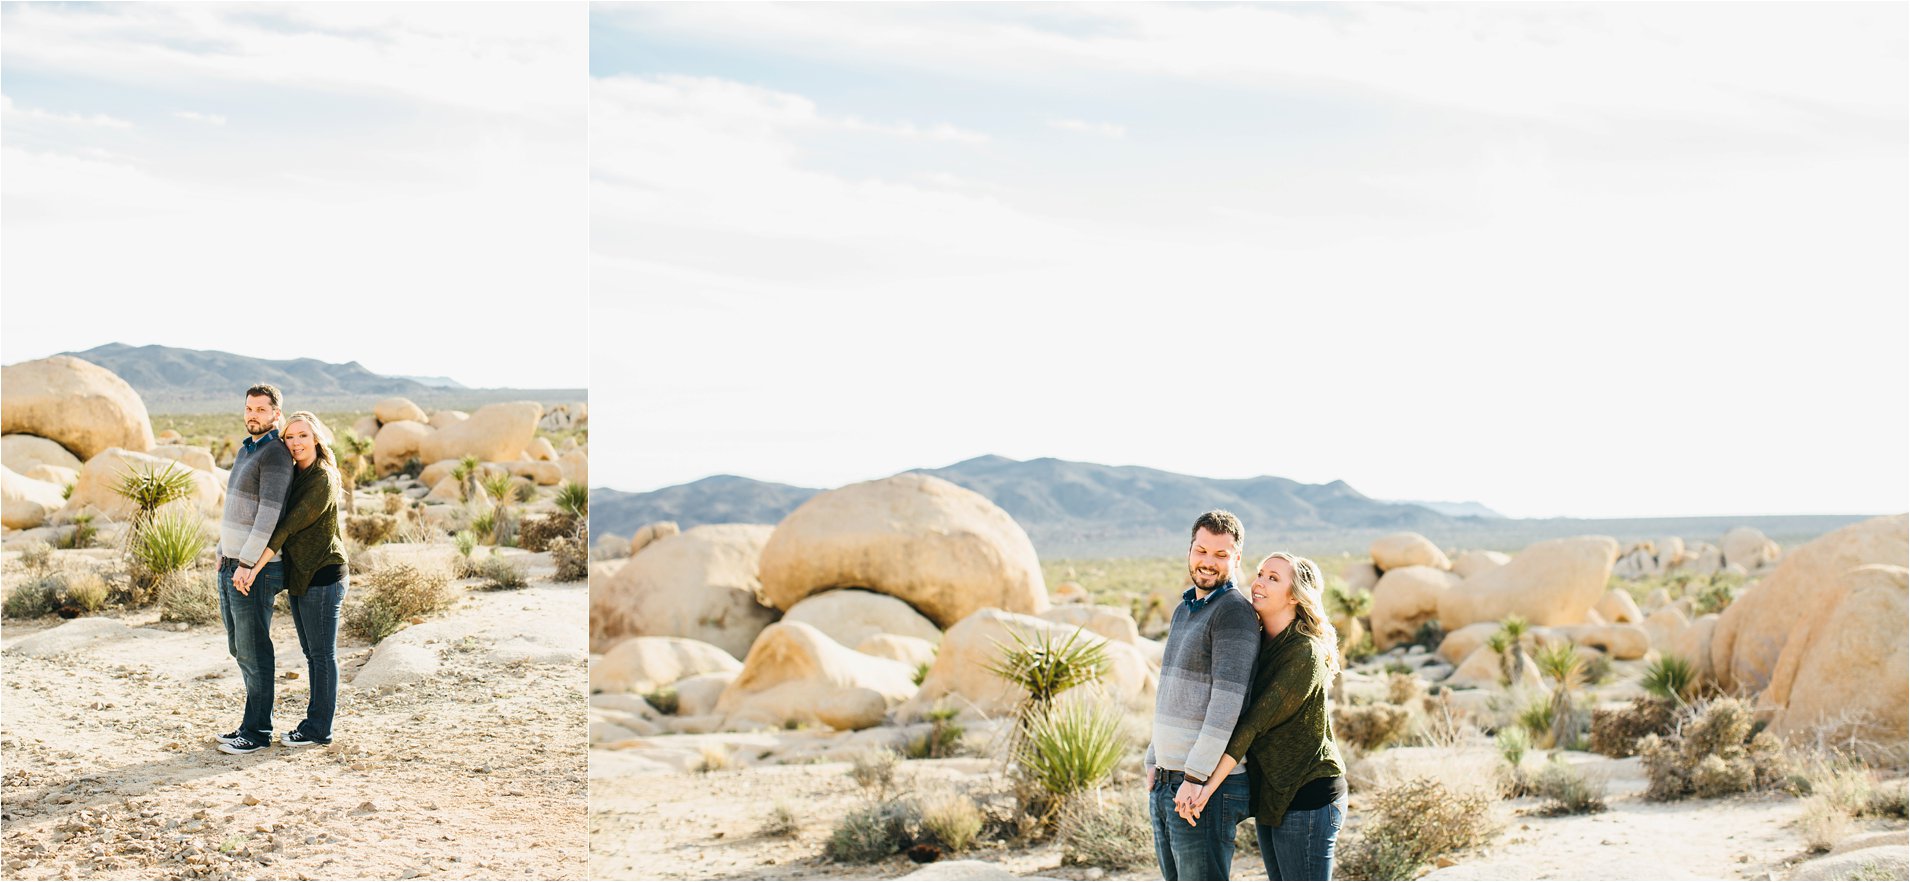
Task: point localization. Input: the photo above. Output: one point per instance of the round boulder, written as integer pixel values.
(1807, 585)
(1549, 583)
(1111, 622)
(26, 503)
(850, 616)
(81, 406)
(1749, 548)
(392, 410)
(398, 443)
(911, 651)
(1617, 607)
(96, 489)
(1847, 673)
(1360, 575)
(646, 664)
(23, 453)
(495, 433)
(961, 675)
(1472, 563)
(700, 584)
(795, 673)
(1405, 598)
(1460, 642)
(649, 533)
(1396, 550)
(443, 419)
(945, 550)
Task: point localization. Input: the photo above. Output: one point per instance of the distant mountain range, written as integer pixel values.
(173, 380)
(1068, 506)
(1455, 509)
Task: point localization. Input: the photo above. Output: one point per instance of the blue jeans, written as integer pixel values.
(248, 634)
(1302, 846)
(1196, 852)
(315, 615)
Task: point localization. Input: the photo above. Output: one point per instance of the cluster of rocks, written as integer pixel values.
(502, 438)
(831, 617)
(1744, 551)
(1819, 637)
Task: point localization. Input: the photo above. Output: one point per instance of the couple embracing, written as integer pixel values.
(1240, 723)
(279, 533)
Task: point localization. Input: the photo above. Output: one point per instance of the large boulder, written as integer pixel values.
(850, 616)
(1395, 550)
(23, 453)
(911, 651)
(1847, 672)
(1460, 642)
(700, 584)
(26, 503)
(446, 418)
(945, 550)
(1405, 598)
(398, 443)
(540, 451)
(96, 491)
(1693, 645)
(1665, 626)
(576, 466)
(649, 533)
(1806, 586)
(646, 664)
(197, 457)
(392, 410)
(83, 407)
(1749, 548)
(543, 474)
(961, 677)
(1554, 582)
(1360, 575)
(795, 673)
(1618, 607)
(1621, 642)
(1472, 563)
(494, 433)
(1111, 622)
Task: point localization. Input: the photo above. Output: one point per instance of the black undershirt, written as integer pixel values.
(329, 574)
(1318, 794)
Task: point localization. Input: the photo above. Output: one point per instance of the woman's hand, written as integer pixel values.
(1190, 811)
(242, 580)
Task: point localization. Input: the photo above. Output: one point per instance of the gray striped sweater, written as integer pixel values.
(254, 497)
(1206, 670)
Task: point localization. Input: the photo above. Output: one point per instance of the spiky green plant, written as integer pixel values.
(1343, 604)
(498, 486)
(83, 533)
(1044, 668)
(467, 474)
(167, 543)
(1566, 667)
(1670, 677)
(149, 487)
(1073, 746)
(574, 498)
(1513, 629)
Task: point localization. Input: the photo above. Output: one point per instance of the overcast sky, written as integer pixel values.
(400, 185)
(1593, 259)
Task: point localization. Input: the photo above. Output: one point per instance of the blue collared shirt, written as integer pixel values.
(1192, 595)
(250, 443)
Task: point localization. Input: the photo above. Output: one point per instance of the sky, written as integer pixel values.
(1593, 260)
(405, 186)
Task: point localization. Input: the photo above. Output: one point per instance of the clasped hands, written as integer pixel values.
(1192, 798)
(242, 579)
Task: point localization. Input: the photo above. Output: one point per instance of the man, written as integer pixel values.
(254, 496)
(1205, 673)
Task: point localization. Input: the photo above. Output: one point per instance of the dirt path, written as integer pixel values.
(477, 771)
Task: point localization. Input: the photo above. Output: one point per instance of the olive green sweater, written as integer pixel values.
(1284, 737)
(307, 535)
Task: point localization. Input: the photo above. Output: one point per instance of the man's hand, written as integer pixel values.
(1150, 777)
(242, 580)
(1186, 797)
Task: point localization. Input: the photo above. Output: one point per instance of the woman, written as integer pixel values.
(1296, 783)
(307, 540)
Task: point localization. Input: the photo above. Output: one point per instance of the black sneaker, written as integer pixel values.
(295, 738)
(242, 744)
(227, 738)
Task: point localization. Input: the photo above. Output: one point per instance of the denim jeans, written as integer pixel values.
(1204, 851)
(248, 633)
(315, 615)
(1302, 846)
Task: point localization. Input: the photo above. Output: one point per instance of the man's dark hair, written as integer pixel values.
(268, 390)
(1217, 522)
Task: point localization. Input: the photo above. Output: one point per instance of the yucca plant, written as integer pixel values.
(1671, 678)
(1342, 604)
(1563, 664)
(523, 491)
(575, 499)
(1073, 746)
(1044, 667)
(497, 485)
(150, 487)
(1513, 629)
(167, 543)
(354, 455)
(467, 474)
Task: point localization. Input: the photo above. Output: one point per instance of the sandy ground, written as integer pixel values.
(649, 820)
(477, 771)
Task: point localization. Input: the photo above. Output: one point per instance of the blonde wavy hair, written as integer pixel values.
(319, 434)
(1309, 614)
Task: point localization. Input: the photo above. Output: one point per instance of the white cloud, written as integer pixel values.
(14, 116)
(211, 119)
(1105, 130)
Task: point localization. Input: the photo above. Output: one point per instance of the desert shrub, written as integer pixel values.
(1568, 790)
(371, 529)
(1616, 731)
(1823, 824)
(1440, 724)
(83, 533)
(1073, 745)
(1566, 667)
(942, 739)
(1429, 634)
(1535, 717)
(497, 485)
(1671, 678)
(1395, 666)
(1513, 744)
(1362, 650)
(782, 823)
(872, 832)
(1401, 689)
(1712, 754)
(193, 600)
(394, 501)
(523, 490)
(574, 499)
(1044, 668)
(1598, 669)
(1715, 595)
(1370, 727)
(1410, 825)
(536, 534)
(712, 758)
(164, 544)
(572, 559)
(86, 591)
(32, 598)
(1113, 833)
(1890, 800)
(36, 556)
(921, 672)
(149, 488)
(951, 819)
(499, 573)
(874, 771)
(664, 699)
(393, 596)
(1343, 604)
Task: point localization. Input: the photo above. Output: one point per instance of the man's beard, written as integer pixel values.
(254, 427)
(1210, 581)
